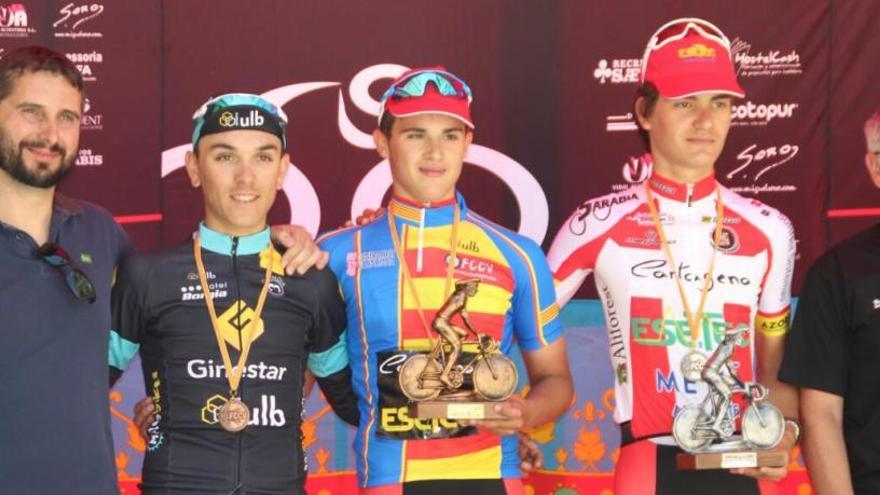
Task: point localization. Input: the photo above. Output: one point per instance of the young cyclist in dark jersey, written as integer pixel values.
(677, 260)
(224, 334)
(427, 238)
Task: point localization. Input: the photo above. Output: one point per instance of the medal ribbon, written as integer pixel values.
(693, 319)
(407, 276)
(233, 375)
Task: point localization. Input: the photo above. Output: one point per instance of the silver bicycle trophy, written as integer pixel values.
(705, 431)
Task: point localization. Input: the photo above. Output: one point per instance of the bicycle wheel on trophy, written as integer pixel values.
(419, 377)
(763, 425)
(495, 377)
(686, 429)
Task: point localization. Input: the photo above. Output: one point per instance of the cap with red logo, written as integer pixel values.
(428, 90)
(690, 56)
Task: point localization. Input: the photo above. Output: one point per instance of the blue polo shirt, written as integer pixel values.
(54, 408)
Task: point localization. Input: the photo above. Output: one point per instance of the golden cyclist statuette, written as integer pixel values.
(449, 383)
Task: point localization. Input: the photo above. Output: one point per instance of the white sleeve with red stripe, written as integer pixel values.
(775, 297)
(776, 292)
(574, 251)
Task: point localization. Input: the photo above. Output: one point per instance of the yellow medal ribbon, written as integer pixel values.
(233, 375)
(450, 270)
(693, 319)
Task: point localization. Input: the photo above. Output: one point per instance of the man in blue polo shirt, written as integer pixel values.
(58, 256)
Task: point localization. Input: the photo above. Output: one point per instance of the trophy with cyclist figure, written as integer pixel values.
(705, 431)
(449, 383)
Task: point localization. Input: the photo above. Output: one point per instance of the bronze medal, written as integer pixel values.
(234, 415)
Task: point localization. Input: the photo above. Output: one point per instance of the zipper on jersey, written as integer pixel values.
(690, 194)
(239, 440)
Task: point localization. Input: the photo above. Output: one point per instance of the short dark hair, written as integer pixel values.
(36, 59)
(649, 95)
(388, 120)
(386, 123)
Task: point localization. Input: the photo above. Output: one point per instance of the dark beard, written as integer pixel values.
(41, 177)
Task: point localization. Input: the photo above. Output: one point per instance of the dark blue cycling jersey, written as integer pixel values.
(159, 309)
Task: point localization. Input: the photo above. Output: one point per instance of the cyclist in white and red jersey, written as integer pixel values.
(677, 261)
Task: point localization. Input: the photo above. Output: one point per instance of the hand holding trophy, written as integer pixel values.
(437, 381)
(706, 430)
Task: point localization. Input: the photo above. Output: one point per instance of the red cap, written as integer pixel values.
(431, 100)
(688, 57)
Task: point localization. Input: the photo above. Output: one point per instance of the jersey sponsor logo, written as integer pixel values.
(649, 239)
(644, 218)
(658, 269)
(264, 414)
(155, 437)
(469, 245)
(473, 266)
(219, 290)
(664, 188)
(369, 259)
(729, 241)
(727, 220)
(235, 320)
(616, 344)
(621, 374)
(600, 209)
(667, 332)
(397, 420)
(192, 276)
(773, 326)
(200, 369)
(276, 286)
(669, 381)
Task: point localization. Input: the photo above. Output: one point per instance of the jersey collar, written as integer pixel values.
(435, 214)
(677, 191)
(222, 244)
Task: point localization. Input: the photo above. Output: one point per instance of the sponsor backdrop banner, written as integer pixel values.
(553, 85)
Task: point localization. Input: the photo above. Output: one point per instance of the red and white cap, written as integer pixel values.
(435, 90)
(690, 56)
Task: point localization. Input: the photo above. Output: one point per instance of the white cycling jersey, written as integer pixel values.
(615, 238)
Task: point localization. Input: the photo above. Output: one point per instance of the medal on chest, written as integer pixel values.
(233, 415)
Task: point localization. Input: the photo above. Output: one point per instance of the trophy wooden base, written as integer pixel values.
(730, 460)
(449, 409)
